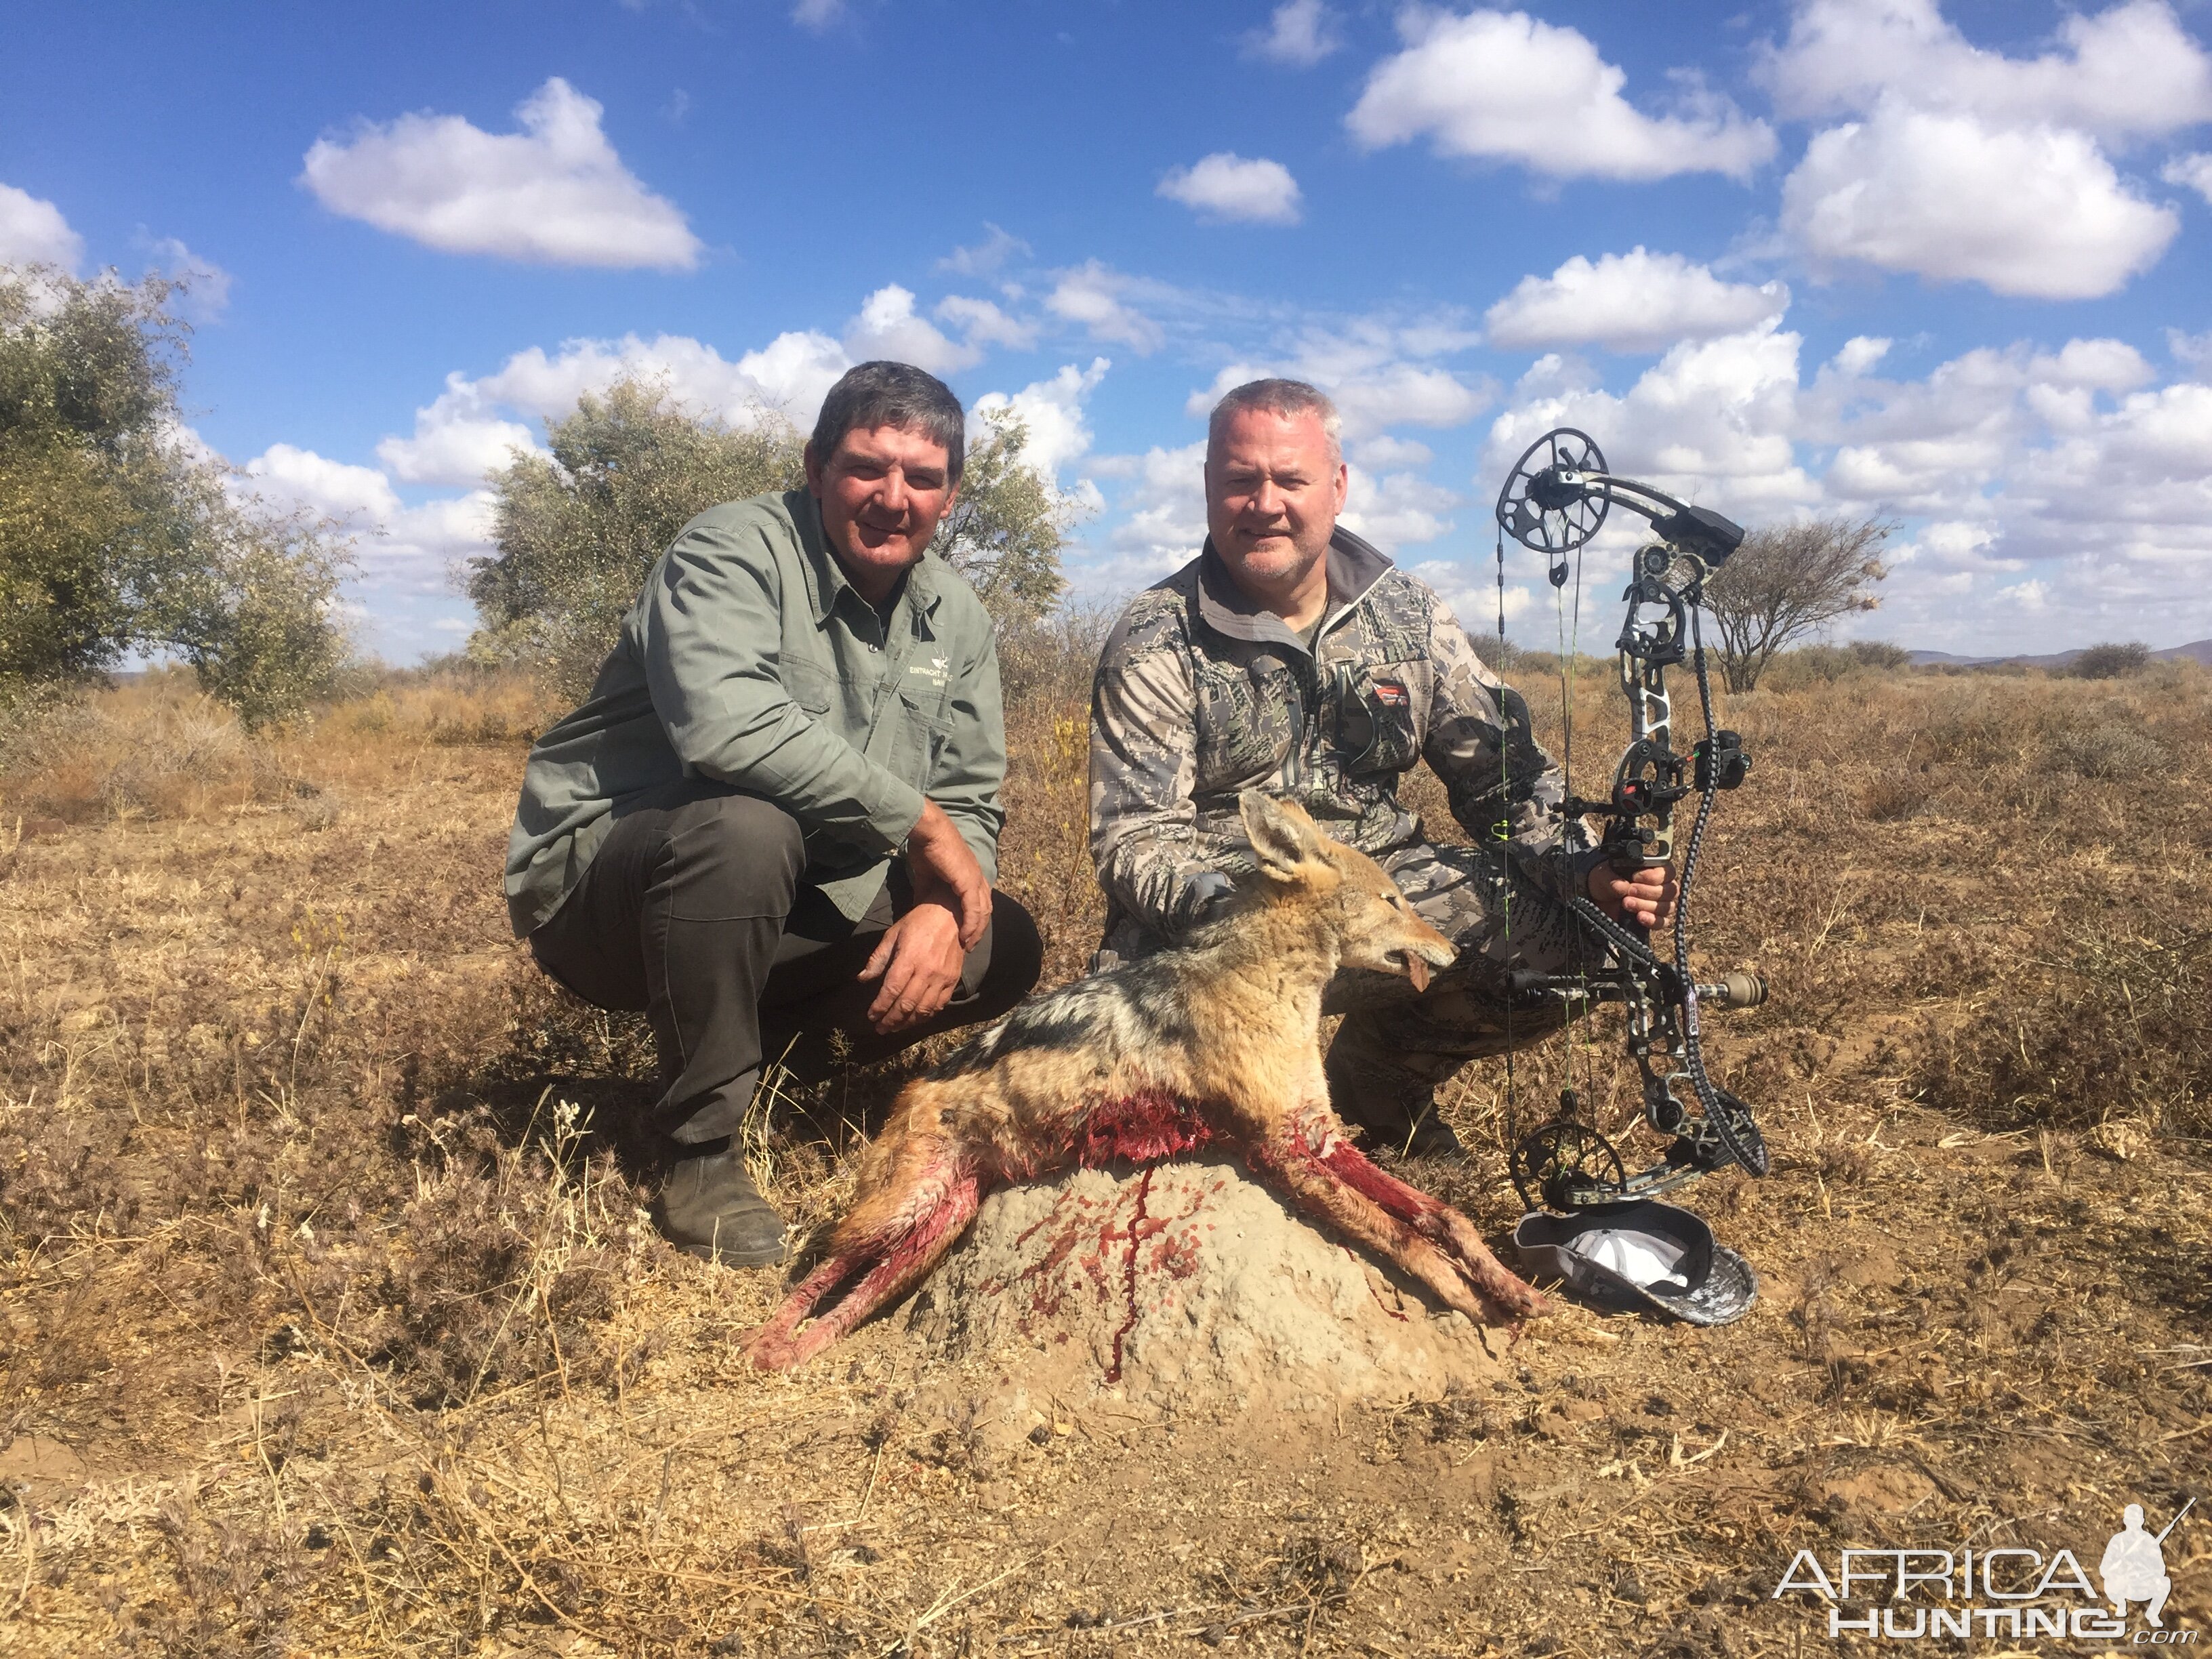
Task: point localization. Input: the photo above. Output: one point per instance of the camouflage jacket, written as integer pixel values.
(1200, 694)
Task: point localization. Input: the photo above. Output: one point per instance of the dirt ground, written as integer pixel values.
(332, 1323)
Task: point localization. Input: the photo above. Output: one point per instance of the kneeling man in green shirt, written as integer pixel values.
(774, 819)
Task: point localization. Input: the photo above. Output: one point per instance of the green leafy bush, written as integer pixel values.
(118, 535)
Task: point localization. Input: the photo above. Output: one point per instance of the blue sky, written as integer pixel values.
(1945, 263)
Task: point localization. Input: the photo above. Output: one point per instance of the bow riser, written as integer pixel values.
(1556, 509)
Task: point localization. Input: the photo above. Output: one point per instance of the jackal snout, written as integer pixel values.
(1374, 925)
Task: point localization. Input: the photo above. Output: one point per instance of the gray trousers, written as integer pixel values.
(696, 911)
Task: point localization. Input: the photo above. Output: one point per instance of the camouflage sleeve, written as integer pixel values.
(1144, 766)
(1502, 786)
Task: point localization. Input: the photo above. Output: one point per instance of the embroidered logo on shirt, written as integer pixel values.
(937, 668)
(1392, 693)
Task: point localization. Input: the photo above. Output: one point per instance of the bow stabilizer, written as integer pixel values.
(1553, 502)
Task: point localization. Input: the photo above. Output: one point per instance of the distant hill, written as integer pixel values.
(2195, 651)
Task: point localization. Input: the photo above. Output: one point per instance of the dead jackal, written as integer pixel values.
(1215, 1044)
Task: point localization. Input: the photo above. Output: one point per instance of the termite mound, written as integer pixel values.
(1182, 1284)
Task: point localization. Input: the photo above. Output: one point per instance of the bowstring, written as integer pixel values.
(1570, 624)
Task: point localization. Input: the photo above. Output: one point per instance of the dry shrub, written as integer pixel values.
(158, 748)
(507, 1259)
(1049, 661)
(2121, 1028)
(2109, 752)
(233, 1588)
(552, 1033)
(1893, 797)
(1814, 665)
(447, 704)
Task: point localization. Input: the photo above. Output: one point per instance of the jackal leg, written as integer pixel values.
(1429, 1239)
(891, 1258)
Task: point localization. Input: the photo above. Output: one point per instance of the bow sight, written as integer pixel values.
(1554, 501)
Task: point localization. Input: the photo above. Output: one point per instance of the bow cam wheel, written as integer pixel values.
(1565, 1166)
(1546, 506)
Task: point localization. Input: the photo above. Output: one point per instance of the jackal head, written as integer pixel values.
(1345, 890)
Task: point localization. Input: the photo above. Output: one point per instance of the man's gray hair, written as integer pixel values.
(1288, 398)
(883, 393)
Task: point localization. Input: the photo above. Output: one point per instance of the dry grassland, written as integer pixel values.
(332, 1325)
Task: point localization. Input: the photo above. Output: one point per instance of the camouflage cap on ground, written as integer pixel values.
(1638, 1256)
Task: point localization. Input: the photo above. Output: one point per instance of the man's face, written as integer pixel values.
(1272, 492)
(881, 493)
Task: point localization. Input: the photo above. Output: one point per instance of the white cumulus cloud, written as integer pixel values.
(2061, 476)
(787, 377)
(358, 497)
(984, 323)
(554, 193)
(1632, 301)
(458, 440)
(1712, 420)
(1226, 185)
(986, 256)
(206, 285)
(1380, 372)
(1299, 33)
(888, 326)
(2131, 70)
(1504, 86)
(2032, 211)
(2193, 171)
(34, 231)
(1052, 411)
(1396, 509)
(1164, 515)
(1091, 295)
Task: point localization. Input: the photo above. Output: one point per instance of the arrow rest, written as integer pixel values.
(1553, 502)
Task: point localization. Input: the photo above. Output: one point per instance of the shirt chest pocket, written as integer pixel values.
(1379, 718)
(1249, 721)
(923, 729)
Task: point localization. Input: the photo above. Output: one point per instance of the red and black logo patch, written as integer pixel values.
(1392, 693)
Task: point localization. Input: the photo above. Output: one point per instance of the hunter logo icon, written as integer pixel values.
(2134, 1567)
(2005, 1590)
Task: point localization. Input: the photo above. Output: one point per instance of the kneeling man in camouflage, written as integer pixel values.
(1291, 656)
(772, 824)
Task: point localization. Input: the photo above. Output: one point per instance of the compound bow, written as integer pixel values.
(1555, 500)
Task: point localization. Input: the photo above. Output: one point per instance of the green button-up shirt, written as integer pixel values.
(750, 658)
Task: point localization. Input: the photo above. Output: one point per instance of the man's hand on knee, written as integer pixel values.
(946, 873)
(919, 961)
(1645, 897)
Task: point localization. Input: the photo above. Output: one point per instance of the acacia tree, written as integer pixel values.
(578, 530)
(1788, 582)
(118, 534)
(1006, 528)
(2111, 661)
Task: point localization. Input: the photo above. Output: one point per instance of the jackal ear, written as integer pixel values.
(1283, 837)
